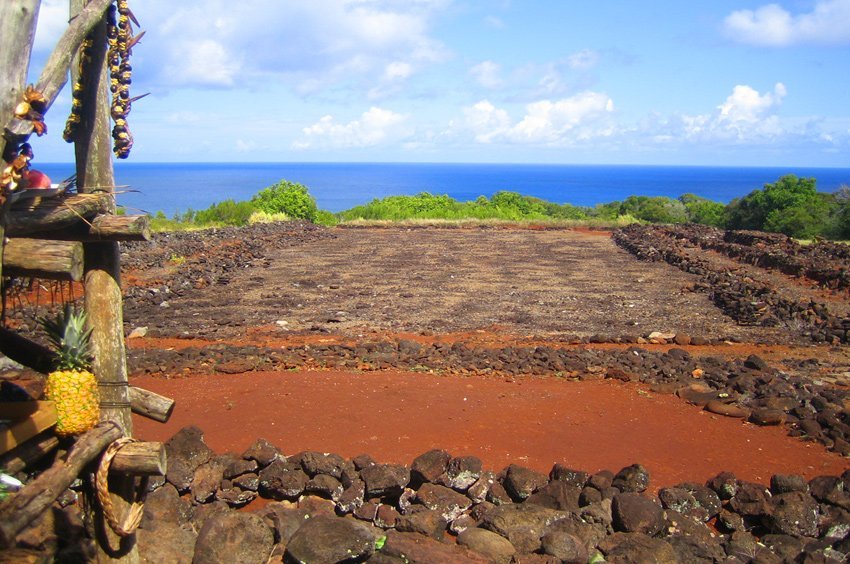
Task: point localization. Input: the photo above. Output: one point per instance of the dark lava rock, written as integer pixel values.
(234, 537)
(767, 417)
(520, 482)
(283, 520)
(494, 546)
(634, 513)
(385, 480)
(352, 497)
(755, 362)
(784, 483)
(725, 485)
(567, 548)
(562, 473)
(331, 539)
(206, 480)
(423, 521)
(418, 549)
(601, 480)
(325, 485)
(478, 491)
(240, 466)
(446, 501)
(386, 517)
(282, 480)
(429, 466)
(634, 478)
(164, 505)
(557, 495)
(708, 501)
(794, 513)
(186, 451)
(315, 463)
(523, 524)
(462, 472)
(750, 500)
(262, 452)
(622, 548)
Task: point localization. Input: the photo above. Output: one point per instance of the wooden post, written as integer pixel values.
(17, 31)
(93, 149)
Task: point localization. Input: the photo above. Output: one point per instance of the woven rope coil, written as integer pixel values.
(134, 515)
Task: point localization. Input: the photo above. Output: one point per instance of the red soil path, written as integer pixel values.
(534, 422)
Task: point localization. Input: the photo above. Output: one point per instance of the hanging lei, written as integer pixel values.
(119, 36)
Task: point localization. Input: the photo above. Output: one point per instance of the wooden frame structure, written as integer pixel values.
(76, 238)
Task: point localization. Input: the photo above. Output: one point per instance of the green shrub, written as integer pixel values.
(657, 209)
(286, 197)
(228, 212)
(702, 210)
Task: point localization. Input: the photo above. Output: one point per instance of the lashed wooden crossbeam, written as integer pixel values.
(56, 213)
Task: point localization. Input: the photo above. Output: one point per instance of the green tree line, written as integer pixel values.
(791, 205)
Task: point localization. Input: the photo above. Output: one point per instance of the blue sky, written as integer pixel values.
(726, 82)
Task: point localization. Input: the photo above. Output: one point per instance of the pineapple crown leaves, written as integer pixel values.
(70, 338)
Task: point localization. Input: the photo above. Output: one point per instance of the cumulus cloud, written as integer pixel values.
(52, 21)
(487, 74)
(746, 116)
(774, 26)
(374, 127)
(313, 45)
(547, 122)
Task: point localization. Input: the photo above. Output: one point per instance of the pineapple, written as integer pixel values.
(72, 387)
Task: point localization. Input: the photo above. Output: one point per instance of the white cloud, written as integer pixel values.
(746, 116)
(312, 45)
(374, 127)
(560, 122)
(774, 26)
(486, 121)
(487, 74)
(52, 21)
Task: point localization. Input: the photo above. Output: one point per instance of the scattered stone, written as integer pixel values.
(521, 482)
(634, 478)
(186, 451)
(385, 480)
(234, 537)
(634, 513)
(495, 547)
(419, 549)
(330, 539)
(447, 502)
(429, 466)
(623, 548)
(262, 452)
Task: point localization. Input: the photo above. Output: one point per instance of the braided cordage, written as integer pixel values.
(134, 515)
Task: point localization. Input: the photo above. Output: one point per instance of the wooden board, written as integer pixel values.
(27, 419)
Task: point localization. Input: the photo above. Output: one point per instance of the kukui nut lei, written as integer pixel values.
(119, 35)
(77, 95)
(121, 41)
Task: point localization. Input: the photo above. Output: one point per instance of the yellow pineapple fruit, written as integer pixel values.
(72, 387)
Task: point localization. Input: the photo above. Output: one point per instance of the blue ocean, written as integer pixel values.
(177, 187)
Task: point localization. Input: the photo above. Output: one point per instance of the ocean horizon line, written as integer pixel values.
(121, 164)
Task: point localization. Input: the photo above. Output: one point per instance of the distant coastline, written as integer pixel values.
(176, 187)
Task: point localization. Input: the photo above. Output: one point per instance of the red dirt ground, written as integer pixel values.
(535, 422)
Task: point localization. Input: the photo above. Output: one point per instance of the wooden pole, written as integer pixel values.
(93, 149)
(40, 258)
(25, 506)
(140, 459)
(17, 31)
(151, 405)
(26, 352)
